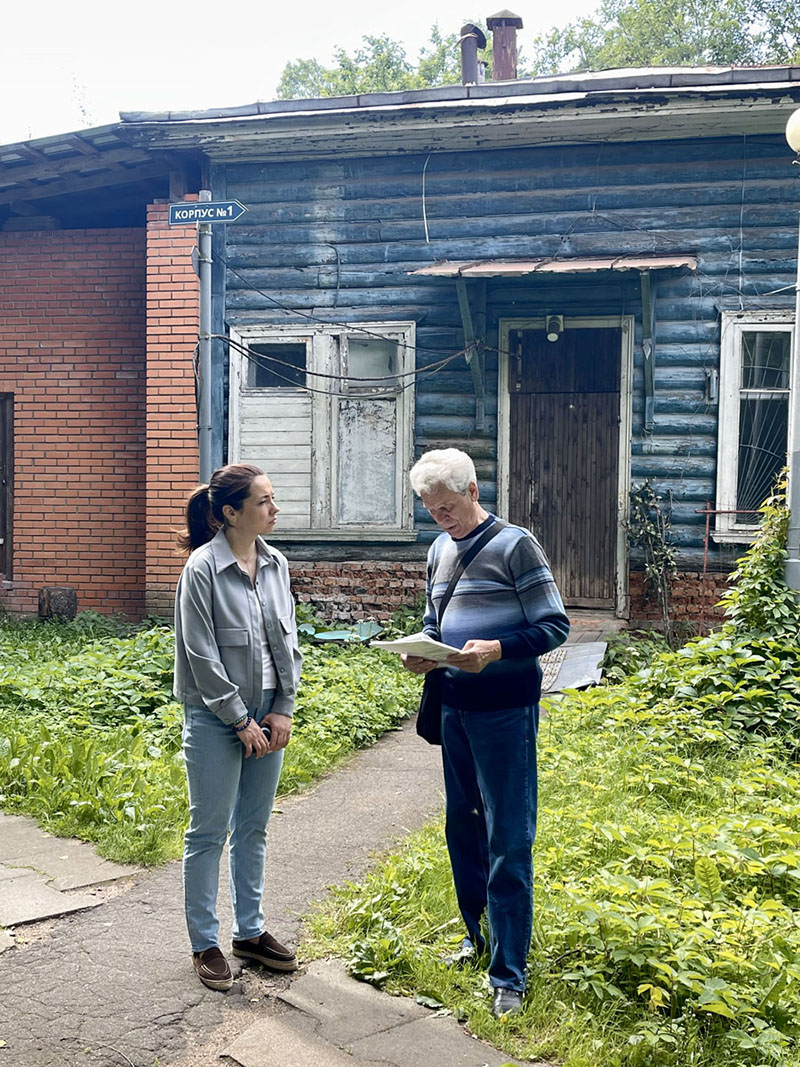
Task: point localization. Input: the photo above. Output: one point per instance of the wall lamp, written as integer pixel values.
(554, 327)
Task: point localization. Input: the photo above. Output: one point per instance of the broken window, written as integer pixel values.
(328, 413)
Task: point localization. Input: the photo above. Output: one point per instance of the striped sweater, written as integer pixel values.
(507, 593)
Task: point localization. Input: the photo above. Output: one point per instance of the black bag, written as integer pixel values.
(429, 716)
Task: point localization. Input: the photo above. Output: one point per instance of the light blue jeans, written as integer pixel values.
(226, 792)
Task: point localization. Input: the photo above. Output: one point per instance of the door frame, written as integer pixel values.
(625, 323)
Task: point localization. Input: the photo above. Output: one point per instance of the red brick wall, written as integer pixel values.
(693, 600)
(72, 353)
(172, 457)
(347, 592)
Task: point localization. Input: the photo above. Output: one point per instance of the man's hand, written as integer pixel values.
(418, 664)
(475, 655)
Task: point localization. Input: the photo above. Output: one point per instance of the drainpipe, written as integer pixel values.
(504, 26)
(792, 565)
(471, 39)
(791, 568)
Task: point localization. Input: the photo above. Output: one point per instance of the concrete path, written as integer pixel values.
(113, 985)
(97, 970)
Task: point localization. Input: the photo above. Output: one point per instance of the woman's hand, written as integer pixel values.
(281, 726)
(253, 740)
(418, 664)
(475, 655)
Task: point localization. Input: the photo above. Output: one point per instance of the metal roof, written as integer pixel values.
(618, 105)
(616, 80)
(518, 268)
(50, 176)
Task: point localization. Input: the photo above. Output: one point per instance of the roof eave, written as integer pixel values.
(579, 117)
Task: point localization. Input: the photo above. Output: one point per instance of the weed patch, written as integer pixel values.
(90, 735)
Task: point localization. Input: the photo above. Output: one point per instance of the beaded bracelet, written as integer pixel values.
(245, 723)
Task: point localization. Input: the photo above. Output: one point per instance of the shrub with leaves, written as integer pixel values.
(649, 530)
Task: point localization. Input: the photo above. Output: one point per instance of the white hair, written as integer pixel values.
(447, 467)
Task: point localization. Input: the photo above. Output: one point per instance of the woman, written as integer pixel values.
(237, 665)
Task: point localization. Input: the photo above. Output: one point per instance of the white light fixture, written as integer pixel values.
(554, 327)
(793, 131)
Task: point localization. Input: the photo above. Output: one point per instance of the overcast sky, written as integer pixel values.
(64, 66)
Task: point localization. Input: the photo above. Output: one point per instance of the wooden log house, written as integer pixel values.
(587, 282)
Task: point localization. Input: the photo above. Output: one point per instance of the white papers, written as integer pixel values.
(418, 645)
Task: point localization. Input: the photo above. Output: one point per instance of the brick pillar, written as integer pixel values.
(172, 456)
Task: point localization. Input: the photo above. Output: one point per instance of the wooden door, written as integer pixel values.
(564, 437)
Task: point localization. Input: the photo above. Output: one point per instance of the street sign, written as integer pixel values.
(212, 211)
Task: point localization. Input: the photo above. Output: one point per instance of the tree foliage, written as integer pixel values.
(379, 65)
(621, 33)
(639, 33)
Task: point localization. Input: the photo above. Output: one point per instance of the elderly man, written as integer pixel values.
(505, 611)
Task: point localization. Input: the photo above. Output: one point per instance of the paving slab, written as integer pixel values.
(580, 666)
(435, 1040)
(27, 898)
(340, 1021)
(290, 1042)
(64, 862)
(345, 1009)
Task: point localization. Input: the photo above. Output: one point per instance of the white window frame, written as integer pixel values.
(734, 325)
(324, 345)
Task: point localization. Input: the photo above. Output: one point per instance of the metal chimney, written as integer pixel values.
(504, 26)
(471, 39)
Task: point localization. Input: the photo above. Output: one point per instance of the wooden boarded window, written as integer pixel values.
(325, 413)
(6, 480)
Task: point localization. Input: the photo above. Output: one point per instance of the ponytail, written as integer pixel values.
(200, 522)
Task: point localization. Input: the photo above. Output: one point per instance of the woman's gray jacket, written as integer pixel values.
(217, 631)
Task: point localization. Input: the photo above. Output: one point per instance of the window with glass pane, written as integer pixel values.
(277, 366)
(371, 362)
(763, 417)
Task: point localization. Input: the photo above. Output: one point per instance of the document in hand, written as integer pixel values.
(418, 645)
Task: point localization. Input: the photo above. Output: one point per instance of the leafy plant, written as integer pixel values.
(648, 529)
(90, 734)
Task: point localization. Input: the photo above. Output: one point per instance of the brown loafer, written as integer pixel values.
(268, 952)
(212, 968)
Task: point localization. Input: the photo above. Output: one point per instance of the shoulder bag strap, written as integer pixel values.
(464, 562)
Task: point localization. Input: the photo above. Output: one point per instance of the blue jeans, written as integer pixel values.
(491, 796)
(226, 791)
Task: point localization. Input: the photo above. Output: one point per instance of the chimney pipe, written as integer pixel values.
(504, 26)
(471, 39)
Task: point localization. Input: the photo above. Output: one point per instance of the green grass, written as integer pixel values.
(667, 889)
(90, 733)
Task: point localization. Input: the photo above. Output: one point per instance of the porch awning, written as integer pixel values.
(518, 268)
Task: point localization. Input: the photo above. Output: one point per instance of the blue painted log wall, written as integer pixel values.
(336, 240)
